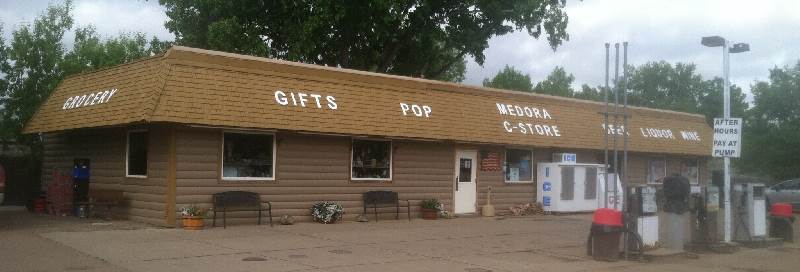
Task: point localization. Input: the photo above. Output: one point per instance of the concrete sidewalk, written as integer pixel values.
(544, 243)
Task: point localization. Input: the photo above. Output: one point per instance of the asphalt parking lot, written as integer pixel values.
(541, 243)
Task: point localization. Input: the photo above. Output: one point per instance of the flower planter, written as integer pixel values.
(192, 222)
(429, 214)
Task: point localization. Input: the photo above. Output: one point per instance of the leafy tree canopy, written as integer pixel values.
(679, 87)
(35, 62)
(422, 38)
(510, 79)
(557, 83)
(589, 93)
(770, 142)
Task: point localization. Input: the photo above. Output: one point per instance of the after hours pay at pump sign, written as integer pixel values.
(727, 137)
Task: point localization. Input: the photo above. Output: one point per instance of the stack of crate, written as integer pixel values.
(59, 194)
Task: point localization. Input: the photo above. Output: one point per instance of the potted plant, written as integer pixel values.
(430, 208)
(192, 217)
(327, 212)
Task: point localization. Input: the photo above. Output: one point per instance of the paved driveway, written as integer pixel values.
(545, 243)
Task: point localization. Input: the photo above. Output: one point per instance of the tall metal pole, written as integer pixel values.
(616, 122)
(625, 116)
(726, 92)
(625, 136)
(605, 136)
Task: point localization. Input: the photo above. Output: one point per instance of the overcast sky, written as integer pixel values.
(655, 30)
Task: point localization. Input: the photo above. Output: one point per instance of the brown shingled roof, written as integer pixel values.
(202, 87)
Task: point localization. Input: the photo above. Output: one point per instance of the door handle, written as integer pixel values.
(456, 183)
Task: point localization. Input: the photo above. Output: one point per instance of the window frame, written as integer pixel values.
(505, 166)
(391, 159)
(697, 164)
(222, 176)
(128, 153)
(647, 173)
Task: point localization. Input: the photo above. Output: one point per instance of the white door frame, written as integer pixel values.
(465, 194)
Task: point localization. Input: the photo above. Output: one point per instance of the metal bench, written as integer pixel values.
(377, 199)
(239, 201)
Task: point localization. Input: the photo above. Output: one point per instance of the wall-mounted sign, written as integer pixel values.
(89, 99)
(615, 129)
(415, 110)
(523, 111)
(298, 99)
(525, 127)
(690, 135)
(727, 137)
(490, 161)
(654, 133)
(660, 133)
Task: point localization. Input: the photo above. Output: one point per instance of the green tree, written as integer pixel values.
(90, 52)
(510, 79)
(710, 101)
(32, 66)
(664, 86)
(421, 38)
(589, 93)
(770, 141)
(680, 88)
(35, 61)
(557, 83)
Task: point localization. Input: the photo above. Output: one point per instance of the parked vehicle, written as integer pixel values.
(786, 191)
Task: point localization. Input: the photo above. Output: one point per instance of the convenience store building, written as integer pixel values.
(173, 129)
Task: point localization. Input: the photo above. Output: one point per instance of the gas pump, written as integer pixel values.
(677, 192)
(751, 212)
(643, 207)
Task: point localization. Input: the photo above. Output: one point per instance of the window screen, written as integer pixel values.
(656, 170)
(371, 159)
(137, 153)
(567, 183)
(517, 166)
(590, 183)
(247, 156)
(691, 170)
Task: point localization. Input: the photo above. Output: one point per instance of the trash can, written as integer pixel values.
(605, 234)
(780, 221)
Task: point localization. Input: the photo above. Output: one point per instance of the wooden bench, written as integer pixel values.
(104, 197)
(239, 201)
(377, 199)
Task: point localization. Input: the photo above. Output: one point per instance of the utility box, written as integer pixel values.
(571, 187)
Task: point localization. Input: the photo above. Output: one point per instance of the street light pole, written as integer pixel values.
(726, 113)
(715, 41)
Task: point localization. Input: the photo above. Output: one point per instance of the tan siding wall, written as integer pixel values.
(311, 168)
(105, 148)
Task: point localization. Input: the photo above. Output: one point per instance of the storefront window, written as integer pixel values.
(517, 166)
(656, 170)
(691, 170)
(372, 160)
(136, 154)
(248, 156)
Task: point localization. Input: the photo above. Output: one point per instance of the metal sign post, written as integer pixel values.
(716, 41)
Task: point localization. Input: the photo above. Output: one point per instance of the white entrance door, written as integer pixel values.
(465, 188)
